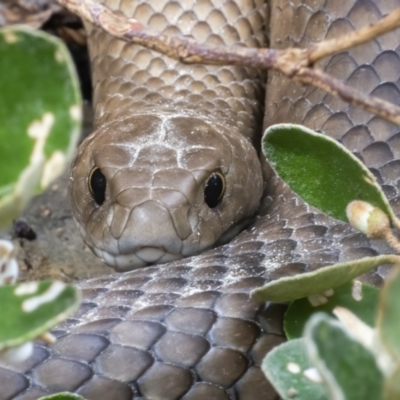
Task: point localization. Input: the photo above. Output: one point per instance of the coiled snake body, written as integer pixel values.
(188, 329)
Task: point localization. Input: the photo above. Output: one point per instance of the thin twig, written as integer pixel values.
(294, 63)
(352, 39)
(371, 104)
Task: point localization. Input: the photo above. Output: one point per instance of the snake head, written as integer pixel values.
(150, 190)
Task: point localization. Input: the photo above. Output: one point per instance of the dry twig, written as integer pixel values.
(349, 40)
(298, 64)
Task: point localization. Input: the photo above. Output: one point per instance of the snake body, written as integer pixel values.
(188, 329)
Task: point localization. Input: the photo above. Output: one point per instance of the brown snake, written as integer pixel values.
(188, 329)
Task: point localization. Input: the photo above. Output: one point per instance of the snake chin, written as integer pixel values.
(143, 257)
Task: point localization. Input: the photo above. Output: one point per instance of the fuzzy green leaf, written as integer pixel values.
(392, 386)
(347, 368)
(284, 367)
(30, 309)
(298, 286)
(388, 321)
(359, 298)
(40, 114)
(320, 170)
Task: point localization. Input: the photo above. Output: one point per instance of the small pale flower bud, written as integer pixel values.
(378, 224)
(368, 219)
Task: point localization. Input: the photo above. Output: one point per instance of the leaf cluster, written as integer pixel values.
(344, 335)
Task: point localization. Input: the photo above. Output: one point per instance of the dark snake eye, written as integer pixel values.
(97, 186)
(214, 190)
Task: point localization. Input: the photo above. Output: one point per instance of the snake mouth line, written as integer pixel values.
(138, 258)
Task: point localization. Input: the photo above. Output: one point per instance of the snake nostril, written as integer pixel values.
(97, 186)
(214, 190)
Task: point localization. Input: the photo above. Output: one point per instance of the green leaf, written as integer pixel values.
(284, 367)
(392, 386)
(32, 308)
(40, 114)
(359, 298)
(298, 286)
(63, 396)
(347, 368)
(320, 170)
(388, 320)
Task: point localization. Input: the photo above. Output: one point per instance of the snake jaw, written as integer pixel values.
(141, 258)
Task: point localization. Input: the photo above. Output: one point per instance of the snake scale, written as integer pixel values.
(188, 329)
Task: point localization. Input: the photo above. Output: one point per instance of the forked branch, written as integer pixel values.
(297, 64)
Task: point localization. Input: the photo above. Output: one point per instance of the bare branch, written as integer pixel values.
(352, 39)
(371, 104)
(295, 63)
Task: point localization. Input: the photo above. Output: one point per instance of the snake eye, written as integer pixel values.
(97, 186)
(214, 190)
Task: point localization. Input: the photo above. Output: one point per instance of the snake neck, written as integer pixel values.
(130, 79)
